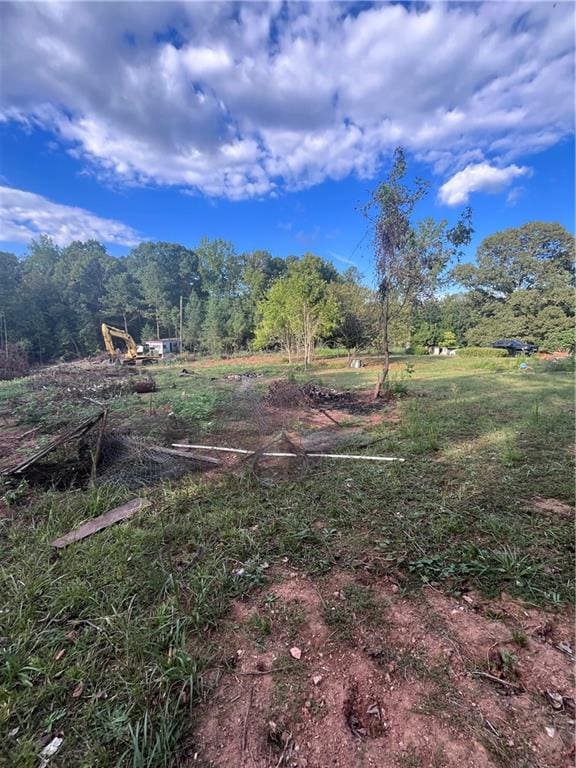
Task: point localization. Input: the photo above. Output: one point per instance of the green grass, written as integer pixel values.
(132, 615)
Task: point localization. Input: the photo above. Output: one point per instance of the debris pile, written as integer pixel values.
(241, 376)
(76, 383)
(70, 455)
(287, 394)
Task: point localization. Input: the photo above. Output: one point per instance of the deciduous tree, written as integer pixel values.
(410, 258)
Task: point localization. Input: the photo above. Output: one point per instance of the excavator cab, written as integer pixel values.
(134, 355)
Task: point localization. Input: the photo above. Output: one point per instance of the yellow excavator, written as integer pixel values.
(134, 355)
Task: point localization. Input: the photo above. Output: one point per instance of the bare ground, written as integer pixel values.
(386, 679)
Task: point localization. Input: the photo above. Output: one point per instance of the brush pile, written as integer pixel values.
(287, 394)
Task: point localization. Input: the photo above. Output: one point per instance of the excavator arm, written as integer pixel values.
(109, 332)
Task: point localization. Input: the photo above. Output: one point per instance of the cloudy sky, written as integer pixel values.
(268, 123)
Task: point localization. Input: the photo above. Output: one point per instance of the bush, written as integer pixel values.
(323, 353)
(417, 349)
(13, 363)
(481, 352)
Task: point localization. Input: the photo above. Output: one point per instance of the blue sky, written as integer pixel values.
(269, 124)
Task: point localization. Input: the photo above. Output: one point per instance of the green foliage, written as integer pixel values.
(448, 339)
(481, 352)
(298, 309)
(357, 311)
(410, 258)
(522, 286)
(54, 299)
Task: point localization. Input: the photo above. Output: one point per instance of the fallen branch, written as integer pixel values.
(30, 432)
(103, 521)
(283, 454)
(98, 449)
(245, 726)
(494, 679)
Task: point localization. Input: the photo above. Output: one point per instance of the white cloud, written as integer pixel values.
(481, 177)
(240, 100)
(25, 215)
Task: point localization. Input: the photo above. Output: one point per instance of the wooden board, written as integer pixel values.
(103, 521)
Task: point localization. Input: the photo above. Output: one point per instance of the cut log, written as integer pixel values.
(102, 521)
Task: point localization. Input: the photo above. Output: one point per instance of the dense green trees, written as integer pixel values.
(299, 308)
(54, 299)
(522, 285)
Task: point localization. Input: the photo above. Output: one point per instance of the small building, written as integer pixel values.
(164, 347)
(515, 347)
(444, 351)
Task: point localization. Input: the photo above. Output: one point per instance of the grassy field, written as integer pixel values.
(107, 642)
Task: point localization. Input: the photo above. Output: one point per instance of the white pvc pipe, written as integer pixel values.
(304, 453)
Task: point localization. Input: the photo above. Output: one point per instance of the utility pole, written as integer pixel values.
(181, 325)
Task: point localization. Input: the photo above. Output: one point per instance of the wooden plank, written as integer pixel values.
(102, 521)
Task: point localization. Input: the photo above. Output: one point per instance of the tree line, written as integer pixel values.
(54, 299)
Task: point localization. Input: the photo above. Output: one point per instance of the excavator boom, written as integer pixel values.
(109, 332)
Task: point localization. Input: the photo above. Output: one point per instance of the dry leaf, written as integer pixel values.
(59, 655)
(49, 751)
(78, 690)
(317, 679)
(555, 699)
(295, 652)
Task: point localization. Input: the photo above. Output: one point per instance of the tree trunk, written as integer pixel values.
(157, 324)
(125, 322)
(383, 375)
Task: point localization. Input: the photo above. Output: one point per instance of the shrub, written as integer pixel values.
(13, 363)
(417, 349)
(481, 352)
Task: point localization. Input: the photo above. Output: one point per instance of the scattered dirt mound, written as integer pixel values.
(350, 673)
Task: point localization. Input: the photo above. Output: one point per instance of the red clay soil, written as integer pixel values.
(397, 686)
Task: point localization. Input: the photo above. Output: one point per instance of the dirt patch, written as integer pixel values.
(401, 690)
(289, 395)
(552, 506)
